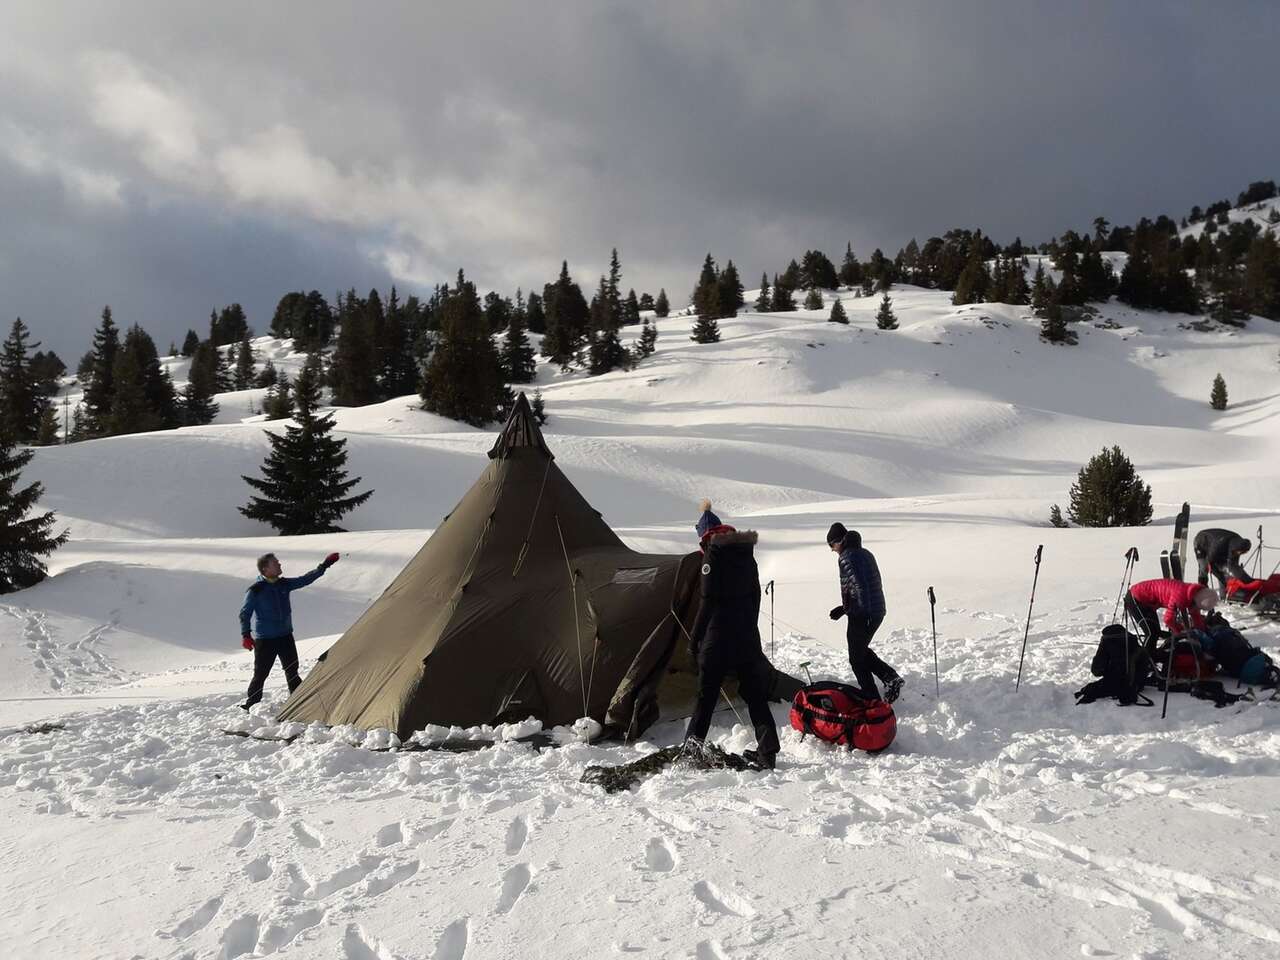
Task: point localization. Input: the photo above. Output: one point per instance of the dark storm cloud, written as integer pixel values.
(168, 156)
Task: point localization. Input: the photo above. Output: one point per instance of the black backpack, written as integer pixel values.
(1122, 666)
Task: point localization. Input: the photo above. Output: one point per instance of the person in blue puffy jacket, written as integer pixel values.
(267, 609)
(862, 600)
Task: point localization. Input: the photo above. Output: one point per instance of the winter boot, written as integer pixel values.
(892, 689)
(759, 761)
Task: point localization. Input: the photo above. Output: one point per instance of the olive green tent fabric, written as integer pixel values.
(522, 603)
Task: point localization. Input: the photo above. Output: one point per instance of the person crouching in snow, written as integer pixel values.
(1184, 605)
(862, 599)
(267, 603)
(726, 636)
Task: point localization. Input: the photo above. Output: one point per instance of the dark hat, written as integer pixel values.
(707, 521)
(836, 533)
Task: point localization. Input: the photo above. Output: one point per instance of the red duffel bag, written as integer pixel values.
(838, 713)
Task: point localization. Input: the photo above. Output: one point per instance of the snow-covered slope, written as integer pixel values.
(999, 823)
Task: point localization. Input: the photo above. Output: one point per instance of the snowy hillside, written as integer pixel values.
(998, 824)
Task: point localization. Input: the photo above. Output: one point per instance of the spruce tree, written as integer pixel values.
(48, 369)
(535, 318)
(242, 378)
(267, 376)
(189, 343)
(763, 302)
(100, 389)
(631, 309)
(706, 294)
(130, 412)
(230, 326)
(648, 339)
(646, 301)
(1109, 493)
(813, 299)
(26, 538)
(974, 280)
(661, 307)
(22, 401)
(613, 293)
(278, 403)
(850, 270)
(197, 404)
(1055, 516)
(517, 356)
(782, 299)
(705, 330)
(1218, 395)
(567, 320)
(607, 352)
(304, 487)
(464, 380)
(885, 317)
(397, 369)
(1039, 290)
(539, 407)
(837, 312)
(1053, 328)
(50, 426)
(730, 292)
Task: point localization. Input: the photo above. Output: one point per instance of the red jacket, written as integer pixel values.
(1174, 596)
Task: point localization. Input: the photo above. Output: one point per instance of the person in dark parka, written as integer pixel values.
(1218, 551)
(726, 638)
(862, 600)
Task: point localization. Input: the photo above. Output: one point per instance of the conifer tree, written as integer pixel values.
(1039, 290)
(397, 368)
(837, 312)
(278, 403)
(607, 352)
(1109, 493)
(464, 380)
(705, 330)
(517, 356)
(129, 410)
(1218, 395)
(646, 301)
(813, 299)
(885, 317)
(535, 318)
(661, 307)
(229, 326)
(974, 280)
(48, 369)
(353, 374)
(26, 538)
(648, 341)
(267, 376)
(1055, 516)
(706, 295)
(304, 486)
(850, 270)
(539, 407)
(613, 293)
(189, 343)
(222, 370)
(197, 404)
(730, 292)
(242, 378)
(567, 319)
(50, 426)
(22, 401)
(631, 309)
(1053, 328)
(100, 389)
(763, 302)
(782, 299)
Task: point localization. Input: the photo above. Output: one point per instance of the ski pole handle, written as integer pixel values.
(1039, 550)
(1131, 554)
(932, 599)
(768, 588)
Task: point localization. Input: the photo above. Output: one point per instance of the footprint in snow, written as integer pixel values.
(514, 883)
(659, 855)
(258, 870)
(307, 836)
(279, 933)
(243, 835)
(194, 923)
(390, 835)
(722, 901)
(266, 808)
(452, 944)
(397, 875)
(710, 950)
(239, 937)
(358, 945)
(517, 834)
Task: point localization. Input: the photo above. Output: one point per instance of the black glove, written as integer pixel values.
(837, 613)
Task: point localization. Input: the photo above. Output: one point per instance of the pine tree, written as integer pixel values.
(50, 427)
(48, 369)
(230, 326)
(782, 299)
(613, 293)
(567, 320)
(763, 302)
(607, 351)
(267, 376)
(646, 301)
(1218, 395)
(22, 401)
(278, 403)
(304, 487)
(353, 374)
(242, 379)
(661, 307)
(850, 270)
(464, 378)
(535, 318)
(1053, 328)
(539, 407)
(974, 280)
(813, 299)
(1109, 493)
(885, 317)
(1039, 290)
(197, 405)
(100, 389)
(1055, 516)
(631, 309)
(730, 292)
(706, 295)
(189, 343)
(397, 368)
(517, 356)
(705, 330)
(648, 342)
(25, 539)
(837, 312)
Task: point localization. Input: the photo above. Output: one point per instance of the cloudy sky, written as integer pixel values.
(169, 157)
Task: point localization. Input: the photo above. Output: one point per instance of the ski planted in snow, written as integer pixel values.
(1165, 569)
(1178, 555)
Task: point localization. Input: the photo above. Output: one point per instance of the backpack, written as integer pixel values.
(1237, 656)
(1122, 666)
(840, 714)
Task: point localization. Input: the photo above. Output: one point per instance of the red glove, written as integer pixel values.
(330, 560)
(247, 642)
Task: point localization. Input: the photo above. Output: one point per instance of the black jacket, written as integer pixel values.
(861, 593)
(729, 612)
(1222, 550)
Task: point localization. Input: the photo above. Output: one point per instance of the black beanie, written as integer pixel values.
(836, 533)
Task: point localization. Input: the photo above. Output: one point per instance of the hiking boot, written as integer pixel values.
(759, 761)
(892, 689)
(243, 706)
(693, 753)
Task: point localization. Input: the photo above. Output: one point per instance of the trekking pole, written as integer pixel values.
(769, 590)
(805, 667)
(1259, 551)
(1027, 632)
(933, 622)
(1168, 667)
(1126, 580)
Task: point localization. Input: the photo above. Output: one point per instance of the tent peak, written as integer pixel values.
(521, 430)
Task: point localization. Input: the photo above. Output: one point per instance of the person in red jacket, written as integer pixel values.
(1184, 605)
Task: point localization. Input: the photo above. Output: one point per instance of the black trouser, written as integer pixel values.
(866, 665)
(1147, 619)
(755, 680)
(1202, 561)
(264, 658)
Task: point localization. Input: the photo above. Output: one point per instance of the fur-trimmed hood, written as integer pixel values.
(733, 537)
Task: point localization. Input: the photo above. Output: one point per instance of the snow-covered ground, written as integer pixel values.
(999, 824)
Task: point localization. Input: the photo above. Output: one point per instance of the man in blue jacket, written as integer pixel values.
(862, 599)
(267, 600)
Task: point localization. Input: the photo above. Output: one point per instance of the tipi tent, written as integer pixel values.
(522, 603)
